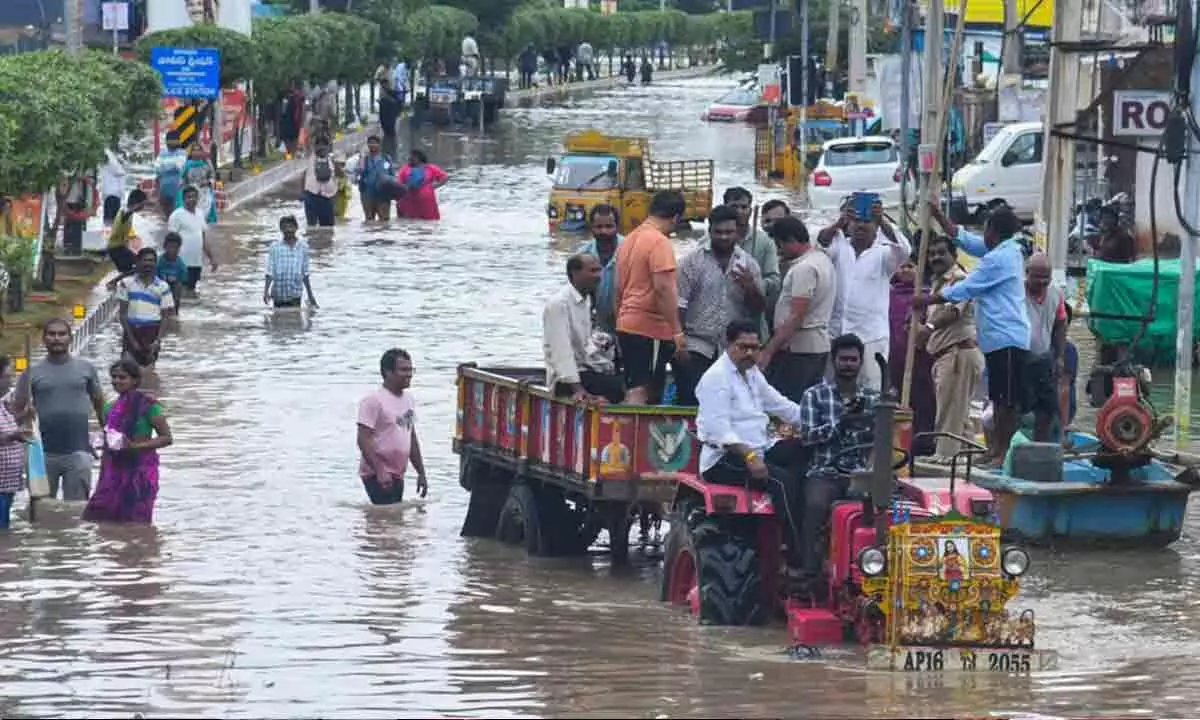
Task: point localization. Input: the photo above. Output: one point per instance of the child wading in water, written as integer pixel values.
(171, 268)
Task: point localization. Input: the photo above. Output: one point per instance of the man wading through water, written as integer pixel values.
(287, 269)
(387, 436)
(145, 300)
(64, 391)
(190, 225)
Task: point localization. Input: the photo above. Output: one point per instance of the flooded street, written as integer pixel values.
(271, 588)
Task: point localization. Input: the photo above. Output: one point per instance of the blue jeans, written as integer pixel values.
(318, 210)
(6, 501)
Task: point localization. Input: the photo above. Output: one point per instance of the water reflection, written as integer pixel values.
(271, 588)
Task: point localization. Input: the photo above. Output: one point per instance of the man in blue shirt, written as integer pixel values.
(604, 223)
(997, 285)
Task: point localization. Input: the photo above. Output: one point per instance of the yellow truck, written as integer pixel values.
(598, 169)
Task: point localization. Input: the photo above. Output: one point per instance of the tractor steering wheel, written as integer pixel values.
(844, 456)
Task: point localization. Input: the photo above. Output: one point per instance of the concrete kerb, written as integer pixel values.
(518, 96)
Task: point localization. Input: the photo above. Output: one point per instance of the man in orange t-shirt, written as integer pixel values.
(647, 301)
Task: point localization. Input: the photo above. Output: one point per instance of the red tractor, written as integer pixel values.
(722, 556)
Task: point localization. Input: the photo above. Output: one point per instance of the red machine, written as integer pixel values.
(723, 552)
(1126, 423)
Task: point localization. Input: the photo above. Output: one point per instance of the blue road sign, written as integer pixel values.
(193, 73)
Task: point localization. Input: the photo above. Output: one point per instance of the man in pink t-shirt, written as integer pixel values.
(387, 438)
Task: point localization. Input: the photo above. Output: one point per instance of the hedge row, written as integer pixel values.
(59, 112)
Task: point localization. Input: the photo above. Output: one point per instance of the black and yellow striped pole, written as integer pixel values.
(186, 125)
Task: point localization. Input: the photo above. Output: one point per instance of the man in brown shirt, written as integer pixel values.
(949, 336)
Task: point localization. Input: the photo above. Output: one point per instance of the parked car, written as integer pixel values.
(1008, 169)
(734, 106)
(856, 164)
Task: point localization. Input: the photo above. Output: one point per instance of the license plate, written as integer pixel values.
(913, 658)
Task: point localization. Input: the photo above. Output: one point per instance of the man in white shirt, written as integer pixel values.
(866, 252)
(579, 359)
(112, 186)
(189, 224)
(735, 405)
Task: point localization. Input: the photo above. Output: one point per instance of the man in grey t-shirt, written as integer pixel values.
(65, 391)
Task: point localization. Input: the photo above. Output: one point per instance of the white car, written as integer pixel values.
(855, 164)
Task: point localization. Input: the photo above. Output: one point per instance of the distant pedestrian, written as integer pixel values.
(190, 225)
(168, 173)
(320, 185)
(171, 267)
(420, 180)
(287, 269)
(145, 300)
(112, 186)
(12, 445)
(119, 236)
(64, 391)
(135, 429)
(376, 174)
(199, 173)
(387, 435)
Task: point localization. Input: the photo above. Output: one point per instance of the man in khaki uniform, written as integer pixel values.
(949, 336)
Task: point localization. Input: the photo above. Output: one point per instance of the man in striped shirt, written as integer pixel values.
(145, 298)
(287, 269)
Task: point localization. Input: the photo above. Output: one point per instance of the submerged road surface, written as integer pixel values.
(269, 587)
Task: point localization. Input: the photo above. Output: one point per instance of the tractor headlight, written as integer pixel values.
(872, 561)
(1145, 375)
(1015, 561)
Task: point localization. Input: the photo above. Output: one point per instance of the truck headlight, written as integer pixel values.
(872, 561)
(1015, 561)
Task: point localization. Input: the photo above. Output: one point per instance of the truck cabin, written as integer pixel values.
(579, 172)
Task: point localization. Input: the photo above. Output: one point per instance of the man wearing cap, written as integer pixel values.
(287, 268)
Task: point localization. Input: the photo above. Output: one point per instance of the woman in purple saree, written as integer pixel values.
(134, 430)
(921, 398)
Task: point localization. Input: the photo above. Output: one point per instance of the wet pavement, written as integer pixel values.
(270, 588)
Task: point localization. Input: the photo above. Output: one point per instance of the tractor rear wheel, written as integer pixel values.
(520, 521)
(488, 494)
(722, 565)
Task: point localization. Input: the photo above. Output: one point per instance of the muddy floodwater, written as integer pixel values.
(270, 588)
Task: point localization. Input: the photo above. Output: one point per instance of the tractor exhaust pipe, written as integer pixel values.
(881, 465)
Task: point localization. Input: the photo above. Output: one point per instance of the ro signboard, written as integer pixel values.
(192, 73)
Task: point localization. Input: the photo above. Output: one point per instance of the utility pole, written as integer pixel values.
(73, 26)
(906, 98)
(831, 45)
(1187, 275)
(803, 88)
(314, 6)
(1013, 39)
(1058, 165)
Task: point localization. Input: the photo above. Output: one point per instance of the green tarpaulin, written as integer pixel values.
(1124, 289)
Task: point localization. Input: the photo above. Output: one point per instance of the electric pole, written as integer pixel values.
(831, 45)
(73, 26)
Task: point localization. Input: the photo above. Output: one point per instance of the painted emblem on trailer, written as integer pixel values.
(511, 417)
(545, 432)
(477, 403)
(615, 457)
(560, 431)
(669, 449)
(579, 441)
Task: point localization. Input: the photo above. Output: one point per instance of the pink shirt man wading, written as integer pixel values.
(387, 436)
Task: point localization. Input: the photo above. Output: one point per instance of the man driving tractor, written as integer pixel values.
(835, 417)
(735, 401)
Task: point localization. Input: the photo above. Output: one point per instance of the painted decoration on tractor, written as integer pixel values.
(545, 431)
(560, 434)
(511, 417)
(477, 403)
(955, 559)
(669, 449)
(615, 458)
(579, 415)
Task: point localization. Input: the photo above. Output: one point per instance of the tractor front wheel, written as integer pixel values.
(721, 565)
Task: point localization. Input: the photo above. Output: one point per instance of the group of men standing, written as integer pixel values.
(747, 322)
